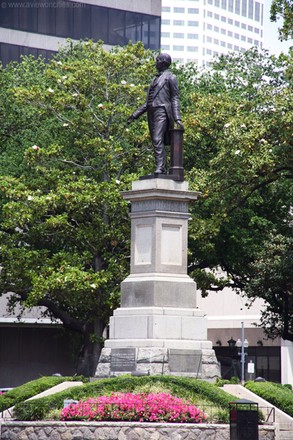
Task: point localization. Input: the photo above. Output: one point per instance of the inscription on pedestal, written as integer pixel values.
(123, 359)
(185, 361)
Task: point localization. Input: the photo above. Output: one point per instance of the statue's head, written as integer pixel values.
(163, 61)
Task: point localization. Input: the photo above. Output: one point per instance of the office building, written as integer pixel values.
(39, 27)
(197, 30)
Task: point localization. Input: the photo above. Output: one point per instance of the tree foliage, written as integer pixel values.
(241, 131)
(63, 219)
(283, 9)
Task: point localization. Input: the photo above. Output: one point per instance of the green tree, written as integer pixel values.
(242, 137)
(273, 282)
(283, 9)
(65, 228)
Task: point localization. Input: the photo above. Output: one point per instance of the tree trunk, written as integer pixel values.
(91, 348)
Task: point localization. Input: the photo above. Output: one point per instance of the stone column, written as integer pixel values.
(158, 329)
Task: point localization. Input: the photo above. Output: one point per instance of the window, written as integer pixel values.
(243, 25)
(165, 47)
(236, 47)
(244, 8)
(210, 14)
(230, 46)
(192, 36)
(216, 41)
(230, 34)
(9, 52)
(224, 19)
(193, 11)
(178, 22)
(223, 44)
(257, 11)
(166, 22)
(113, 26)
(230, 21)
(165, 34)
(217, 3)
(243, 38)
(166, 9)
(210, 2)
(192, 49)
(178, 48)
(178, 35)
(250, 8)
(237, 23)
(216, 29)
(237, 36)
(256, 30)
(209, 52)
(224, 4)
(209, 27)
(192, 23)
(237, 7)
(216, 17)
(256, 42)
(230, 5)
(249, 40)
(250, 28)
(223, 31)
(209, 40)
(179, 10)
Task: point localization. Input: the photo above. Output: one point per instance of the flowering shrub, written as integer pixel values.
(142, 407)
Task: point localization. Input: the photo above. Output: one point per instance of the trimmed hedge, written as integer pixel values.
(32, 388)
(177, 386)
(278, 395)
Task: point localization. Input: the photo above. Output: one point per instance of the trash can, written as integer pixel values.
(243, 420)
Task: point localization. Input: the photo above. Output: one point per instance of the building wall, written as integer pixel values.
(287, 362)
(226, 310)
(29, 352)
(41, 26)
(197, 30)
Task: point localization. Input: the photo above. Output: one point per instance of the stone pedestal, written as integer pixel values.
(158, 329)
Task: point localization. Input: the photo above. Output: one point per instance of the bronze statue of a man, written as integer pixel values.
(162, 107)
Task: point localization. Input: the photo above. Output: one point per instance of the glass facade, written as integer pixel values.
(9, 52)
(267, 361)
(69, 19)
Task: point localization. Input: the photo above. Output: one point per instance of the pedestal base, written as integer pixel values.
(158, 340)
(157, 359)
(158, 290)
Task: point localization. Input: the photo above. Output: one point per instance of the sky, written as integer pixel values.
(271, 41)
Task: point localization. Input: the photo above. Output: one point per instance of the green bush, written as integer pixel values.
(30, 389)
(221, 382)
(190, 389)
(278, 395)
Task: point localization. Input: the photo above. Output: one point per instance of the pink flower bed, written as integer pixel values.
(159, 407)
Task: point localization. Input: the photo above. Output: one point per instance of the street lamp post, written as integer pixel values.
(243, 344)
